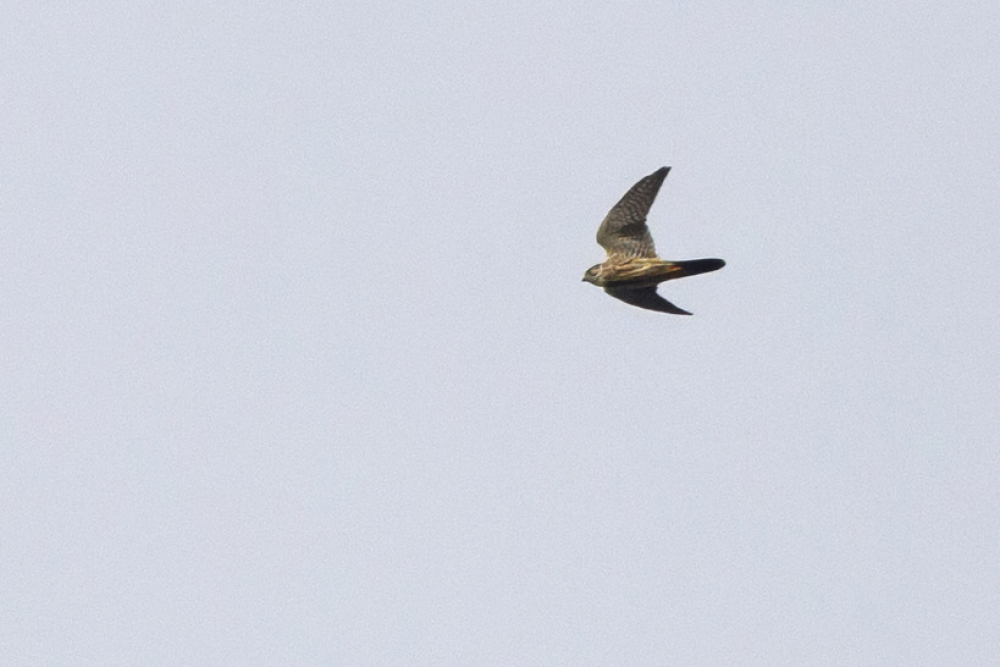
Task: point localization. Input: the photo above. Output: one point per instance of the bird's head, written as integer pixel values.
(592, 274)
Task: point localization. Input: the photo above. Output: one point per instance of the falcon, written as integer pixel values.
(633, 269)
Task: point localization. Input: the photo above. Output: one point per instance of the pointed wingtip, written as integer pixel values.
(657, 177)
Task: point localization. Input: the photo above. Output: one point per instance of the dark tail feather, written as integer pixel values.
(692, 267)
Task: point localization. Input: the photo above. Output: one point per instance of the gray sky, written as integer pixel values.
(298, 368)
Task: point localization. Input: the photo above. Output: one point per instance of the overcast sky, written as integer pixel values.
(298, 368)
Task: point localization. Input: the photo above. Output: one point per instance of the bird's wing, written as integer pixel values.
(645, 297)
(624, 232)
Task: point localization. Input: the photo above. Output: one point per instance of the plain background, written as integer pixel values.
(298, 369)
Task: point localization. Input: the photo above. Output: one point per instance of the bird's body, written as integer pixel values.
(633, 269)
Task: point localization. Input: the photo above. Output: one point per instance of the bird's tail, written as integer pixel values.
(692, 267)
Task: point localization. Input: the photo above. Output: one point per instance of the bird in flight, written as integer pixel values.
(633, 270)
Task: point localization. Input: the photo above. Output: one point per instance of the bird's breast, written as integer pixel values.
(638, 272)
